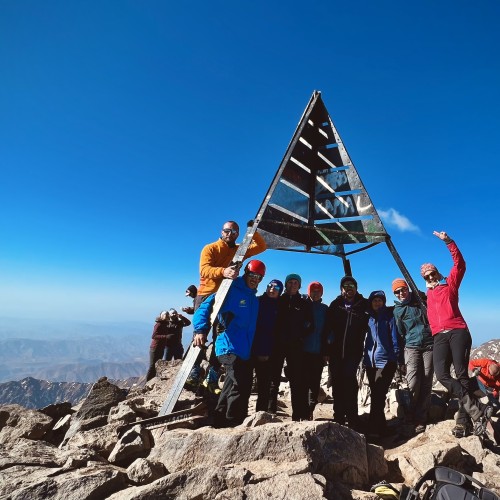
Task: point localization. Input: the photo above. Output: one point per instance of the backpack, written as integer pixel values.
(449, 484)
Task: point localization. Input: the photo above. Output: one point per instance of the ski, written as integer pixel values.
(192, 355)
(180, 380)
(182, 415)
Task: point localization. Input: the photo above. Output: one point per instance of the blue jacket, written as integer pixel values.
(237, 317)
(382, 344)
(315, 342)
(263, 341)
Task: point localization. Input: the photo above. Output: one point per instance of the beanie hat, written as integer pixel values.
(278, 284)
(191, 290)
(348, 278)
(293, 277)
(425, 268)
(398, 283)
(377, 293)
(315, 285)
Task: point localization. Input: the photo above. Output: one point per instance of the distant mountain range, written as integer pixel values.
(36, 394)
(66, 351)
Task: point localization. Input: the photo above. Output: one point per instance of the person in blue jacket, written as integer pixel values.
(237, 319)
(382, 354)
(263, 342)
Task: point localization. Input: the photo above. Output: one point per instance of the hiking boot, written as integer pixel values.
(193, 380)
(461, 430)
(482, 422)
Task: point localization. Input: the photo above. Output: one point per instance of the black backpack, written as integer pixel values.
(449, 484)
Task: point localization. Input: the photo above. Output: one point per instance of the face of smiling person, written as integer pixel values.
(315, 294)
(252, 280)
(432, 277)
(349, 290)
(292, 287)
(401, 293)
(272, 291)
(377, 303)
(230, 232)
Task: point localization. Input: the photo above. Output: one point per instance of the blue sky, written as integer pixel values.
(130, 131)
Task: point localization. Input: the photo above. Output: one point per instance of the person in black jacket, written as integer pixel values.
(294, 322)
(347, 322)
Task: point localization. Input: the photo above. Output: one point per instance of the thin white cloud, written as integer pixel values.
(393, 218)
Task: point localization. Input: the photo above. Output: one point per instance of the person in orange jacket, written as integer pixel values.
(487, 373)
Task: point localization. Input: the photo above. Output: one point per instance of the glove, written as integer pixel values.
(250, 223)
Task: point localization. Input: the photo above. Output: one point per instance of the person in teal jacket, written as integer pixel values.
(413, 327)
(382, 354)
(237, 320)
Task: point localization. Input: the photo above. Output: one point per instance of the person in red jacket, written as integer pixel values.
(487, 373)
(452, 340)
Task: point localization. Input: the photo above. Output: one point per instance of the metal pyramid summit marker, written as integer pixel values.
(317, 201)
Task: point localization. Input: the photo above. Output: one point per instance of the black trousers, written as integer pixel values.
(263, 373)
(454, 347)
(232, 406)
(295, 372)
(379, 379)
(313, 372)
(345, 390)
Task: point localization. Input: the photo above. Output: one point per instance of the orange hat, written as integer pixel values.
(316, 285)
(398, 283)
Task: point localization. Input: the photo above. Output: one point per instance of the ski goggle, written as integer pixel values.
(273, 285)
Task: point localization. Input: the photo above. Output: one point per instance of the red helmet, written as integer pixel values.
(256, 266)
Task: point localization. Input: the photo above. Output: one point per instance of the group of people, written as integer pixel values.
(421, 334)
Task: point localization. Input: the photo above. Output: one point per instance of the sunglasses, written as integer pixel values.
(255, 276)
(228, 230)
(348, 285)
(400, 291)
(276, 287)
(431, 275)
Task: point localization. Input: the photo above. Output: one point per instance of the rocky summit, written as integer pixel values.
(95, 451)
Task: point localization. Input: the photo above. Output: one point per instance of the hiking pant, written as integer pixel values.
(154, 356)
(295, 372)
(379, 379)
(453, 346)
(419, 374)
(174, 352)
(232, 406)
(345, 390)
(263, 373)
(313, 363)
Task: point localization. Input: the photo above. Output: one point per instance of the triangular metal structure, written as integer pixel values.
(317, 202)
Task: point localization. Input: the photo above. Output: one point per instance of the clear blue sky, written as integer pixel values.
(131, 130)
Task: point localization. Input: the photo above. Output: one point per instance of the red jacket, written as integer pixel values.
(484, 375)
(442, 301)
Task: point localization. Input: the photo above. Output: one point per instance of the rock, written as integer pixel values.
(143, 471)
(135, 443)
(19, 422)
(95, 409)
